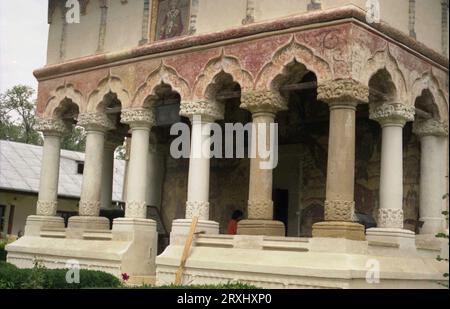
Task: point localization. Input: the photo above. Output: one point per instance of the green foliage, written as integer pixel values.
(445, 236)
(17, 119)
(42, 278)
(2, 251)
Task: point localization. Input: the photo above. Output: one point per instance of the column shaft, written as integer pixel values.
(92, 175)
(137, 170)
(391, 177)
(260, 204)
(107, 176)
(339, 204)
(199, 163)
(48, 186)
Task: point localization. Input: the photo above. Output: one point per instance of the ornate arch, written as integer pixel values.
(292, 51)
(383, 59)
(429, 81)
(66, 91)
(162, 75)
(108, 84)
(214, 67)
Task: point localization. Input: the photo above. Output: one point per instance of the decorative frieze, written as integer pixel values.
(390, 218)
(89, 208)
(260, 209)
(136, 209)
(95, 122)
(263, 101)
(198, 209)
(339, 210)
(211, 110)
(51, 126)
(392, 113)
(343, 91)
(46, 208)
(138, 117)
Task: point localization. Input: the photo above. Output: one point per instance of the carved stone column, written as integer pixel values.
(135, 225)
(140, 121)
(47, 202)
(96, 126)
(432, 134)
(342, 97)
(392, 118)
(263, 105)
(202, 114)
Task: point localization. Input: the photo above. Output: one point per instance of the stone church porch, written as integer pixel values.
(359, 132)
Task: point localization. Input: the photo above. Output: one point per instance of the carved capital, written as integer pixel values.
(392, 113)
(337, 210)
(46, 208)
(136, 209)
(211, 110)
(343, 92)
(51, 126)
(430, 127)
(390, 218)
(198, 209)
(260, 209)
(95, 122)
(263, 101)
(138, 117)
(89, 208)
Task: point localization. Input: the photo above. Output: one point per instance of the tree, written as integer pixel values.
(17, 118)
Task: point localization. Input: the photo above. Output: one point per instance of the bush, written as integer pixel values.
(2, 250)
(42, 278)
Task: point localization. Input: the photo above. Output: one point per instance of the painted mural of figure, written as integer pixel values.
(172, 25)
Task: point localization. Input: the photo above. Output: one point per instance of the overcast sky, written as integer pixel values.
(23, 41)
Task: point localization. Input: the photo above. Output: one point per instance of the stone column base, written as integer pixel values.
(79, 224)
(35, 224)
(261, 227)
(338, 229)
(404, 238)
(180, 229)
(141, 255)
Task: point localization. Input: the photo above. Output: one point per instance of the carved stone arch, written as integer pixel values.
(164, 74)
(109, 84)
(292, 51)
(383, 59)
(62, 93)
(214, 67)
(429, 82)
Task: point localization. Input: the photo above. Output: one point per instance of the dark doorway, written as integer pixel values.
(280, 206)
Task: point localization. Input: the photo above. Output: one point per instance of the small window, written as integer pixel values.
(80, 168)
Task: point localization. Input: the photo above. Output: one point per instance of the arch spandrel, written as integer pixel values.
(62, 93)
(110, 84)
(293, 51)
(226, 64)
(162, 75)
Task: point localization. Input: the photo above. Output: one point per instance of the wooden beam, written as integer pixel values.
(187, 247)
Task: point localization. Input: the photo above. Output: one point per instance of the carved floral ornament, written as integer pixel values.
(95, 122)
(138, 117)
(430, 127)
(343, 91)
(263, 101)
(51, 126)
(396, 113)
(212, 110)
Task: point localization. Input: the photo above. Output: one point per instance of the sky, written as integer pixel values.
(23, 41)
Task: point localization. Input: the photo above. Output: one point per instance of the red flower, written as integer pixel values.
(125, 277)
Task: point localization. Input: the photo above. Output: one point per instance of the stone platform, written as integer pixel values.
(130, 247)
(280, 262)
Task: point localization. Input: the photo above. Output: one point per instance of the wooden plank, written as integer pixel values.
(187, 248)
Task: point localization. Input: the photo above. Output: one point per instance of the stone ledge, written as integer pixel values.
(336, 229)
